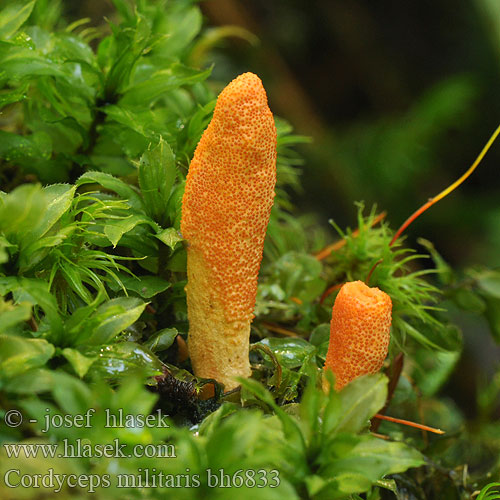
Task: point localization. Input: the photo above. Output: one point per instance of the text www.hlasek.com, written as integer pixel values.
(83, 449)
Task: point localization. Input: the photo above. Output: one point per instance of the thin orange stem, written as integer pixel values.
(328, 291)
(449, 189)
(380, 436)
(408, 423)
(367, 280)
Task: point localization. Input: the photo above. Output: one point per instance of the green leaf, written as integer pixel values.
(145, 286)
(199, 121)
(110, 319)
(291, 428)
(489, 282)
(58, 199)
(487, 492)
(31, 382)
(13, 17)
(432, 369)
(36, 292)
(157, 174)
(125, 357)
(183, 25)
(10, 96)
(18, 148)
(114, 229)
(360, 400)
(161, 340)
(21, 210)
(437, 336)
(291, 352)
(78, 361)
(18, 354)
(468, 300)
(129, 45)
(11, 315)
(299, 275)
(71, 394)
(356, 462)
(320, 335)
(170, 237)
(212, 421)
(161, 82)
(113, 184)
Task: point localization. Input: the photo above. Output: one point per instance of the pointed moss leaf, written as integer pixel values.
(320, 335)
(18, 354)
(468, 300)
(114, 229)
(299, 275)
(74, 278)
(174, 207)
(199, 121)
(183, 25)
(310, 406)
(72, 395)
(400, 324)
(315, 484)
(432, 369)
(6, 247)
(126, 357)
(360, 400)
(291, 427)
(79, 362)
(291, 352)
(170, 237)
(58, 199)
(114, 184)
(13, 17)
(161, 82)
(445, 273)
(489, 492)
(359, 461)
(8, 97)
(162, 340)
(11, 315)
(212, 421)
(112, 318)
(125, 9)
(21, 210)
(157, 174)
(36, 292)
(446, 337)
(129, 45)
(333, 408)
(31, 382)
(28, 151)
(489, 283)
(145, 286)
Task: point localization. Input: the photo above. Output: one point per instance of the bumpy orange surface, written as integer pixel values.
(225, 211)
(359, 332)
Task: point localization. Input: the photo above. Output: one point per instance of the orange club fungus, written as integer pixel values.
(225, 212)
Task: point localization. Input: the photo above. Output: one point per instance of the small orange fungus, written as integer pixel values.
(359, 332)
